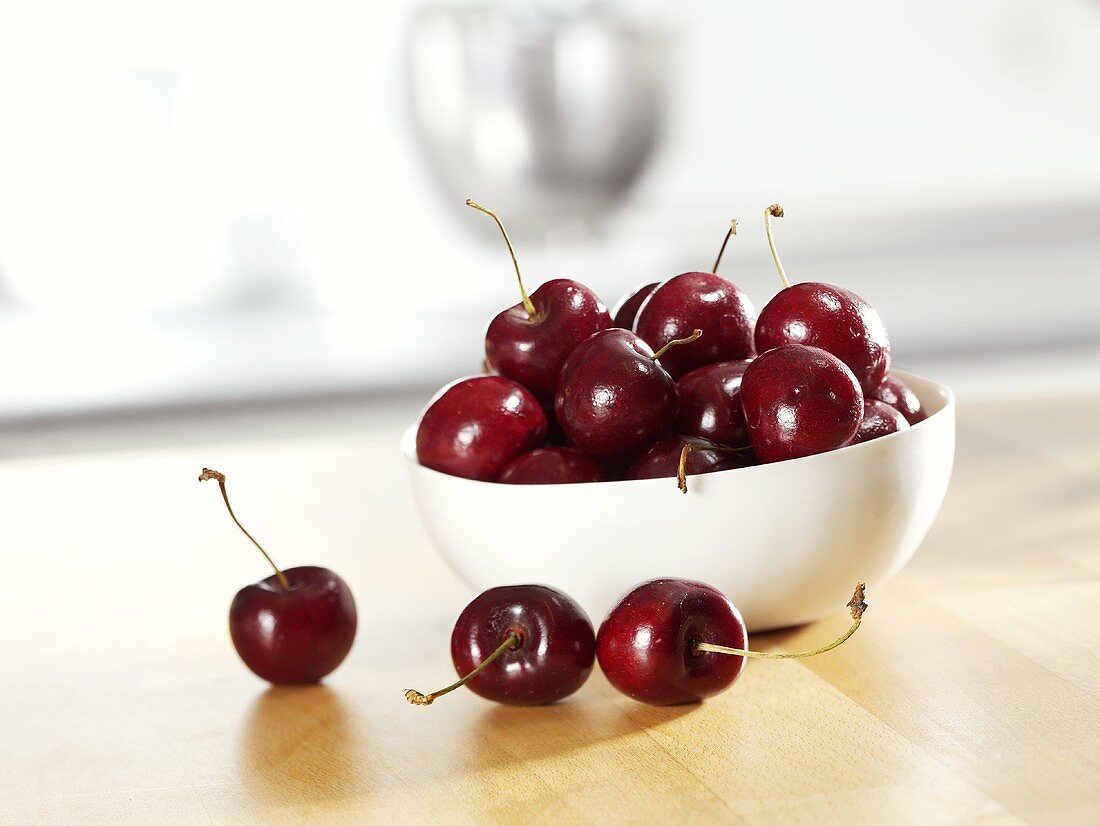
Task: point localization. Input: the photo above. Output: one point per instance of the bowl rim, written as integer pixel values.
(941, 392)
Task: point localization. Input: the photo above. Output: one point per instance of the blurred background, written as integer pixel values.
(254, 212)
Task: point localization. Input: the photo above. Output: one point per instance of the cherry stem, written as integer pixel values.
(675, 342)
(775, 211)
(857, 606)
(418, 699)
(208, 474)
(527, 304)
(731, 231)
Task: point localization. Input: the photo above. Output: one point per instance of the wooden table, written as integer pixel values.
(972, 691)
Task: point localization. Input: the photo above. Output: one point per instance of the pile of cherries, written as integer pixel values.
(667, 642)
(683, 378)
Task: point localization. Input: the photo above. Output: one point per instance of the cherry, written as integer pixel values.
(710, 403)
(701, 300)
(626, 311)
(825, 316)
(614, 396)
(552, 466)
(897, 394)
(799, 401)
(683, 456)
(477, 426)
(293, 627)
(658, 646)
(530, 341)
(879, 419)
(520, 645)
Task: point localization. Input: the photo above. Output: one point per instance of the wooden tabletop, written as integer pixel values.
(972, 691)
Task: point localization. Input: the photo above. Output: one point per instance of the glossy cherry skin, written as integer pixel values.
(613, 399)
(799, 401)
(554, 656)
(477, 426)
(879, 419)
(296, 636)
(532, 350)
(626, 311)
(646, 646)
(703, 301)
(552, 466)
(663, 458)
(897, 394)
(710, 403)
(832, 318)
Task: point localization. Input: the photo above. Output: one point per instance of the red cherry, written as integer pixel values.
(897, 394)
(682, 456)
(699, 300)
(826, 316)
(293, 627)
(552, 466)
(646, 646)
(710, 403)
(799, 401)
(614, 397)
(672, 641)
(879, 419)
(520, 645)
(477, 426)
(626, 311)
(530, 341)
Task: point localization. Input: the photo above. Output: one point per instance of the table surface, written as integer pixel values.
(972, 691)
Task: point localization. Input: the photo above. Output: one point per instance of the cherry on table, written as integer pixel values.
(825, 316)
(477, 426)
(519, 645)
(530, 341)
(552, 466)
(614, 396)
(896, 393)
(702, 300)
(295, 626)
(799, 401)
(673, 641)
(710, 403)
(683, 456)
(879, 419)
(626, 311)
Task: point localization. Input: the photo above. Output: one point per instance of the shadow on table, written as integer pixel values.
(299, 744)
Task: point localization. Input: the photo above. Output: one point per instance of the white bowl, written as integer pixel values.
(785, 541)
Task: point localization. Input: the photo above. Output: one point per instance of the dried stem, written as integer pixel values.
(775, 211)
(730, 232)
(208, 474)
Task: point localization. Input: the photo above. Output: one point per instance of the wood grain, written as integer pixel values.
(971, 693)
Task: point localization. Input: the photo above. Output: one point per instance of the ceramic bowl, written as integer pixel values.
(785, 541)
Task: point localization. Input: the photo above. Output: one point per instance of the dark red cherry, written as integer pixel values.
(826, 316)
(799, 401)
(698, 300)
(646, 646)
(614, 398)
(295, 626)
(533, 644)
(626, 311)
(552, 466)
(897, 394)
(295, 635)
(662, 458)
(477, 426)
(879, 419)
(710, 403)
(530, 341)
